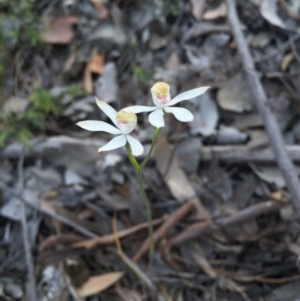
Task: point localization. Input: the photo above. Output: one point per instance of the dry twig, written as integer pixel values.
(57, 217)
(31, 284)
(239, 217)
(230, 153)
(110, 238)
(79, 242)
(242, 154)
(162, 230)
(132, 265)
(284, 5)
(283, 47)
(263, 107)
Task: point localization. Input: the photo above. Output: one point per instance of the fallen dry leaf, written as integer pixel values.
(177, 181)
(106, 86)
(97, 284)
(269, 10)
(270, 174)
(128, 295)
(95, 65)
(15, 104)
(200, 259)
(60, 31)
(101, 9)
(286, 61)
(206, 115)
(198, 255)
(197, 8)
(235, 94)
(216, 13)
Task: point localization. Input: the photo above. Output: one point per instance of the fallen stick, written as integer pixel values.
(55, 216)
(242, 154)
(31, 281)
(230, 153)
(110, 238)
(239, 217)
(162, 230)
(262, 104)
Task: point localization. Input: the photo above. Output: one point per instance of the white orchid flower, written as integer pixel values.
(125, 123)
(162, 100)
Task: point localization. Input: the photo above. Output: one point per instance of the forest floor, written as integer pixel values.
(224, 195)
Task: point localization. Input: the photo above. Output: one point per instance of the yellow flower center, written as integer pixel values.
(161, 92)
(126, 117)
(126, 121)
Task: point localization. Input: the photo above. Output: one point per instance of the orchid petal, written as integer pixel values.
(181, 114)
(107, 109)
(187, 95)
(156, 118)
(98, 126)
(138, 109)
(116, 142)
(136, 147)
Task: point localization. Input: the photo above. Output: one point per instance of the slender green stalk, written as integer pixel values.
(154, 139)
(132, 158)
(139, 169)
(148, 211)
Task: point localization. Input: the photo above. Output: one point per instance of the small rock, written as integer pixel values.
(13, 290)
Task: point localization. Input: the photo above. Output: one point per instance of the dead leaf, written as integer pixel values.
(45, 205)
(197, 8)
(259, 40)
(173, 61)
(258, 139)
(15, 104)
(235, 95)
(269, 174)
(206, 115)
(218, 12)
(288, 214)
(286, 61)
(106, 86)
(178, 183)
(268, 9)
(128, 295)
(287, 292)
(189, 157)
(88, 81)
(95, 65)
(110, 33)
(230, 135)
(71, 60)
(101, 9)
(60, 31)
(54, 282)
(200, 259)
(157, 42)
(198, 255)
(113, 200)
(12, 210)
(97, 284)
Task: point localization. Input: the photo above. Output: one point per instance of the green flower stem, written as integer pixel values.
(132, 158)
(148, 210)
(139, 169)
(154, 139)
